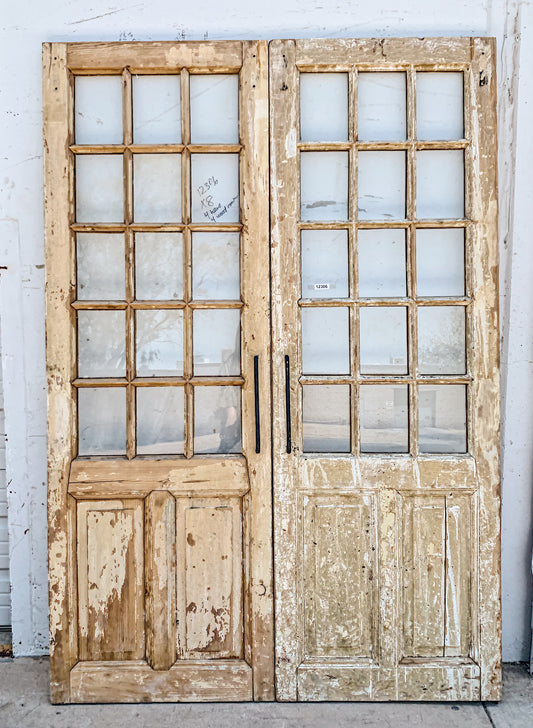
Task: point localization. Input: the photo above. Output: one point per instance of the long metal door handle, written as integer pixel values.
(288, 400)
(256, 395)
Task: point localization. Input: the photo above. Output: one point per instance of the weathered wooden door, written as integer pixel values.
(158, 338)
(385, 369)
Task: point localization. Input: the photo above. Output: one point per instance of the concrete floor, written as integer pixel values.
(24, 703)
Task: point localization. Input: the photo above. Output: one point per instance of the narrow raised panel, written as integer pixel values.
(460, 551)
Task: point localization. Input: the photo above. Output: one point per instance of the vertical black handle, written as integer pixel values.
(288, 401)
(256, 395)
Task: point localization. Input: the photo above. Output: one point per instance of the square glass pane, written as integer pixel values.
(325, 341)
(384, 418)
(381, 107)
(326, 418)
(381, 185)
(383, 339)
(102, 421)
(217, 342)
(441, 340)
(439, 105)
(324, 263)
(160, 420)
(215, 266)
(214, 109)
(323, 107)
(100, 261)
(440, 184)
(440, 262)
(157, 187)
(382, 270)
(99, 188)
(98, 109)
(324, 185)
(215, 187)
(442, 418)
(159, 343)
(101, 344)
(217, 419)
(158, 266)
(156, 110)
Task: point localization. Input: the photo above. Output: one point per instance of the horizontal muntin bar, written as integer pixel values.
(155, 148)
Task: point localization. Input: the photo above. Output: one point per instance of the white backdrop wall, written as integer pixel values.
(25, 25)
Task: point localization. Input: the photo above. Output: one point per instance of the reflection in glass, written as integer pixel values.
(215, 266)
(442, 418)
(439, 105)
(101, 266)
(383, 339)
(160, 420)
(217, 342)
(214, 109)
(381, 185)
(326, 418)
(381, 259)
(440, 184)
(325, 341)
(215, 187)
(99, 188)
(158, 266)
(159, 343)
(384, 418)
(101, 344)
(323, 107)
(441, 340)
(324, 263)
(324, 185)
(440, 262)
(98, 114)
(217, 419)
(156, 109)
(157, 187)
(381, 109)
(102, 421)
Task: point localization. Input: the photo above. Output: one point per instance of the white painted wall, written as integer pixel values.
(24, 25)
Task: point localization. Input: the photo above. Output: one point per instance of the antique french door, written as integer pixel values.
(385, 369)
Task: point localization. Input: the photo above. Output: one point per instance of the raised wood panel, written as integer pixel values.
(461, 556)
(110, 580)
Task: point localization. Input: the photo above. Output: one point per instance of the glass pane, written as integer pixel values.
(215, 187)
(441, 340)
(440, 184)
(217, 342)
(439, 105)
(101, 344)
(383, 340)
(324, 263)
(325, 341)
(384, 418)
(158, 266)
(217, 419)
(381, 108)
(440, 262)
(99, 188)
(381, 185)
(215, 266)
(442, 418)
(159, 343)
(156, 110)
(326, 418)
(102, 421)
(324, 185)
(98, 103)
(101, 266)
(160, 420)
(381, 263)
(324, 107)
(157, 187)
(214, 109)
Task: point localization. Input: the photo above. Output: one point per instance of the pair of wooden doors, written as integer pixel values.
(272, 345)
